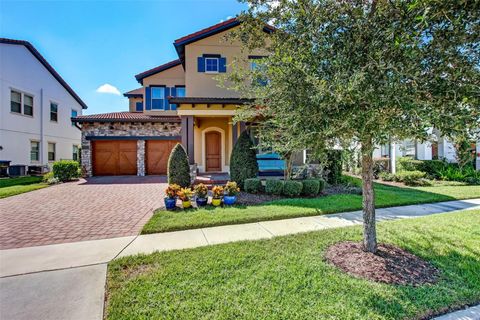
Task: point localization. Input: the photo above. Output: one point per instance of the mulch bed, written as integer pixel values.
(390, 264)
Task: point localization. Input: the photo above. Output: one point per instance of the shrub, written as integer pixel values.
(322, 185)
(409, 164)
(387, 176)
(201, 190)
(465, 174)
(274, 186)
(66, 170)
(433, 167)
(253, 185)
(178, 168)
(334, 166)
(311, 187)
(47, 176)
(231, 188)
(410, 177)
(380, 165)
(292, 188)
(243, 161)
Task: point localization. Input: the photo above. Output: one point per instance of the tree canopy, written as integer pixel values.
(363, 71)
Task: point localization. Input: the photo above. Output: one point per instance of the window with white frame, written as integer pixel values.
(51, 151)
(75, 152)
(15, 101)
(34, 151)
(158, 98)
(409, 148)
(53, 112)
(21, 103)
(211, 65)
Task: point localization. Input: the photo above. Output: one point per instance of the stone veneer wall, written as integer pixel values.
(124, 129)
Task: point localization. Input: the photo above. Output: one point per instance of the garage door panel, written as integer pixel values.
(157, 154)
(114, 157)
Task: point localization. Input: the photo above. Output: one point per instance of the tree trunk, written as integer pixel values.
(288, 168)
(369, 230)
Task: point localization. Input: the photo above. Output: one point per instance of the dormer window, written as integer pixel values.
(211, 65)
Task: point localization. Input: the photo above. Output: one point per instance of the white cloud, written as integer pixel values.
(108, 88)
(227, 18)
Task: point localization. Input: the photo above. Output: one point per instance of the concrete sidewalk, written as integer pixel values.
(37, 278)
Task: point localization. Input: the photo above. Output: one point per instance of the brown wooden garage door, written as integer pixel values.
(112, 158)
(156, 155)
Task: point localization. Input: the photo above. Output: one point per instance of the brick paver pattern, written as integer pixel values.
(97, 208)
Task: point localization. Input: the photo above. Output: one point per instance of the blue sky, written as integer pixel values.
(92, 43)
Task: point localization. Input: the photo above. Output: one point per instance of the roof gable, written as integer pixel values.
(155, 70)
(44, 62)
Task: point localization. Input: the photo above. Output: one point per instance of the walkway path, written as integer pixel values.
(34, 280)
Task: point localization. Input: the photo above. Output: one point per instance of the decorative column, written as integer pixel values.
(477, 153)
(393, 157)
(141, 158)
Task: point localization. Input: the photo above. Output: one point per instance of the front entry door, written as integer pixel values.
(213, 150)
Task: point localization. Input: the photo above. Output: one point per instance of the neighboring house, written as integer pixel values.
(179, 101)
(36, 108)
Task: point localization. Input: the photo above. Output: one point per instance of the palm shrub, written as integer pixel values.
(243, 161)
(178, 168)
(66, 170)
(292, 188)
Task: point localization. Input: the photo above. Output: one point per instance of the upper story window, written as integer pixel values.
(180, 92)
(211, 64)
(158, 98)
(53, 112)
(74, 114)
(20, 101)
(255, 65)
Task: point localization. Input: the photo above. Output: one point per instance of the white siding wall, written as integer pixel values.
(21, 71)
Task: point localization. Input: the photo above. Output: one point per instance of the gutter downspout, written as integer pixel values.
(41, 128)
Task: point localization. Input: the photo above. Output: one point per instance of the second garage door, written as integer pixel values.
(111, 157)
(156, 155)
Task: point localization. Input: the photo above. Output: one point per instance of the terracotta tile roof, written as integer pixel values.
(227, 23)
(209, 100)
(125, 117)
(155, 70)
(44, 62)
(134, 93)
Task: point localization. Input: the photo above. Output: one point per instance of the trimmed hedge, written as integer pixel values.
(243, 160)
(292, 188)
(334, 166)
(178, 168)
(253, 185)
(311, 187)
(66, 170)
(274, 186)
(410, 177)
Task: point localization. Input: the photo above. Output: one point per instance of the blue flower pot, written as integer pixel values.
(170, 203)
(229, 200)
(201, 202)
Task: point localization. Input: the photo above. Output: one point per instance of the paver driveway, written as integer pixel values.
(97, 208)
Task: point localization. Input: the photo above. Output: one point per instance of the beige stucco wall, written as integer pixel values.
(202, 125)
(201, 84)
(132, 102)
(171, 77)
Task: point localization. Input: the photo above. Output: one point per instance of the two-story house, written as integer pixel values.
(182, 101)
(179, 101)
(36, 109)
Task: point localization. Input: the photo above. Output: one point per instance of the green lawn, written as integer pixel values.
(13, 186)
(386, 196)
(287, 277)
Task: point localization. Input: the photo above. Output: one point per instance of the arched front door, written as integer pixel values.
(213, 149)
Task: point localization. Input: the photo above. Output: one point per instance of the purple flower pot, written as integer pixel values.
(170, 203)
(201, 202)
(229, 200)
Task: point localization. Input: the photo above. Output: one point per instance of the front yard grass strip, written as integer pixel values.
(288, 277)
(385, 196)
(13, 186)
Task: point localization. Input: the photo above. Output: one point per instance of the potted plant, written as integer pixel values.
(231, 191)
(185, 194)
(171, 196)
(217, 192)
(201, 194)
